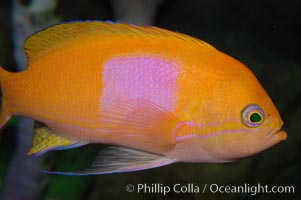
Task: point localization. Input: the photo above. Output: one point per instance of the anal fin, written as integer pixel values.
(117, 159)
(45, 140)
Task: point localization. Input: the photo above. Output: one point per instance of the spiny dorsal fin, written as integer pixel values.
(45, 140)
(50, 38)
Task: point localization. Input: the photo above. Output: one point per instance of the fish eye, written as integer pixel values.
(252, 116)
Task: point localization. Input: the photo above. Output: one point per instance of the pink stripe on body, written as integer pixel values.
(139, 76)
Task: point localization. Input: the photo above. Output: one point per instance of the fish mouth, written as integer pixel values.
(278, 135)
(274, 137)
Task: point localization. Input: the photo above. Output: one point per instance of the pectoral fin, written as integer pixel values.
(141, 121)
(117, 159)
(45, 140)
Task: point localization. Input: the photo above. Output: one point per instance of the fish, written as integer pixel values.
(154, 96)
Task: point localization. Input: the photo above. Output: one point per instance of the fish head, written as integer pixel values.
(237, 119)
(255, 130)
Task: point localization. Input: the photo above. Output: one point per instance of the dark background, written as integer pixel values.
(262, 34)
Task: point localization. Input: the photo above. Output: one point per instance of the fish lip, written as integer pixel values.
(273, 137)
(278, 135)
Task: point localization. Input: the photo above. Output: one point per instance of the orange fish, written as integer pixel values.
(158, 96)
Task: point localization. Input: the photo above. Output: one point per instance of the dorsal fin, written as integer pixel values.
(50, 38)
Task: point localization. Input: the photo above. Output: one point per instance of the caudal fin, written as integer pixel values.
(4, 116)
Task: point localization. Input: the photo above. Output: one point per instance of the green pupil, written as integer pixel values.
(255, 117)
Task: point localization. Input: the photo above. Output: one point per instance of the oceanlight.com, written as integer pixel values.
(158, 188)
